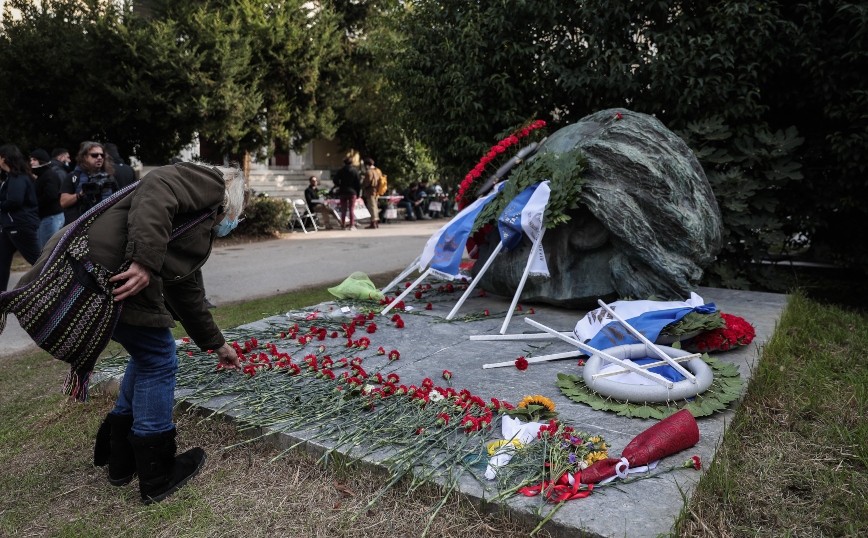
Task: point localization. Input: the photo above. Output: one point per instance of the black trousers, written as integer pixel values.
(21, 239)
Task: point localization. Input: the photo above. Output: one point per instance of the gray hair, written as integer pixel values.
(237, 193)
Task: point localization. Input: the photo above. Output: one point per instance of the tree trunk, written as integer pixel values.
(245, 167)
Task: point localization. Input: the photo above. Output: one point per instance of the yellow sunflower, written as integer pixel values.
(537, 400)
(596, 456)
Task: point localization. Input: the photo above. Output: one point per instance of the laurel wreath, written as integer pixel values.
(564, 172)
(726, 388)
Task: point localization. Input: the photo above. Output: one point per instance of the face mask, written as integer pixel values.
(226, 226)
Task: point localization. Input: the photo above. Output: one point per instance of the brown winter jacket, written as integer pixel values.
(371, 181)
(138, 228)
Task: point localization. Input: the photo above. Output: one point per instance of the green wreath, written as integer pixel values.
(726, 387)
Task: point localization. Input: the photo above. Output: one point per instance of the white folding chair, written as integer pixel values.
(301, 211)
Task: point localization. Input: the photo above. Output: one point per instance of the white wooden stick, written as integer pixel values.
(473, 282)
(407, 291)
(648, 343)
(524, 336)
(533, 252)
(402, 276)
(585, 347)
(541, 358)
(648, 366)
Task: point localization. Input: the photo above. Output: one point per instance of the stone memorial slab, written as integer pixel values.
(428, 345)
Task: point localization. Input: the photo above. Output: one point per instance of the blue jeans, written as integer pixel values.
(148, 389)
(47, 227)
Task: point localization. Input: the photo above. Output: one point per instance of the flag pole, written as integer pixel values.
(522, 336)
(533, 253)
(473, 282)
(648, 343)
(657, 378)
(401, 276)
(407, 291)
(541, 358)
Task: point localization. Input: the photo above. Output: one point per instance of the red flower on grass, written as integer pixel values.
(521, 363)
(697, 463)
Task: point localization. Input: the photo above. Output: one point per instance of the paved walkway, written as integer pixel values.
(251, 271)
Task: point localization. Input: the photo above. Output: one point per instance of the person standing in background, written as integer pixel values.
(19, 212)
(124, 173)
(349, 184)
(48, 181)
(92, 167)
(370, 185)
(60, 161)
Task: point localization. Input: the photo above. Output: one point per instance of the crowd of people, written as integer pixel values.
(420, 200)
(42, 194)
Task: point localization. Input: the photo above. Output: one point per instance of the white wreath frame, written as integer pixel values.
(647, 393)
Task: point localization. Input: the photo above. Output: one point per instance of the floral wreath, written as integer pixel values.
(497, 149)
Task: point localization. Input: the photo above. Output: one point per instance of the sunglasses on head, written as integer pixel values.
(97, 155)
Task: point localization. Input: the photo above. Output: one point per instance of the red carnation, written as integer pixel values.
(521, 363)
(447, 375)
(399, 324)
(486, 313)
(697, 463)
(394, 355)
(429, 306)
(418, 294)
(372, 328)
(381, 351)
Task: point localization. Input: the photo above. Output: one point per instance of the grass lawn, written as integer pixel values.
(793, 462)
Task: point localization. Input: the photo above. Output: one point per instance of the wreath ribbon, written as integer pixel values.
(559, 490)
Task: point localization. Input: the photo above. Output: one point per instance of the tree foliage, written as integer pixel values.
(770, 95)
(371, 121)
(243, 73)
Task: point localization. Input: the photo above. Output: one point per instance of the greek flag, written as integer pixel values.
(600, 330)
(524, 215)
(446, 247)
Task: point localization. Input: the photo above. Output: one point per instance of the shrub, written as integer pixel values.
(265, 216)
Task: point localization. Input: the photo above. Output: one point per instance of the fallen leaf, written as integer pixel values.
(344, 489)
(336, 507)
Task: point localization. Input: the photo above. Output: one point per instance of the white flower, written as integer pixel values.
(435, 396)
(368, 388)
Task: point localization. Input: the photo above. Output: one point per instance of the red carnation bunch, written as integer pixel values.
(492, 154)
(737, 332)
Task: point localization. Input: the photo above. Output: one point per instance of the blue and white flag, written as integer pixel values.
(601, 331)
(524, 214)
(445, 248)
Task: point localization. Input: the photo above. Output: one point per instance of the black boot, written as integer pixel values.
(160, 472)
(102, 449)
(113, 448)
(122, 462)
